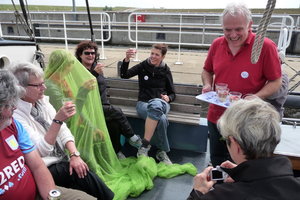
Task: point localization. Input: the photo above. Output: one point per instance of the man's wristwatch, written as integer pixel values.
(76, 153)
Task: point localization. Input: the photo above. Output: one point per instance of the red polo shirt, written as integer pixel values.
(238, 71)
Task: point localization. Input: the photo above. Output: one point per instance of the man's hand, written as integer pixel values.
(202, 181)
(80, 167)
(206, 88)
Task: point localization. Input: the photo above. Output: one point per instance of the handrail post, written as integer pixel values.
(1, 34)
(297, 24)
(49, 34)
(136, 58)
(178, 62)
(65, 32)
(203, 29)
(102, 56)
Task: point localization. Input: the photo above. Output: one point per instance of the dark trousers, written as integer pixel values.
(90, 184)
(117, 124)
(218, 149)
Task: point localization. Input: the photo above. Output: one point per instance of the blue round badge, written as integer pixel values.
(244, 74)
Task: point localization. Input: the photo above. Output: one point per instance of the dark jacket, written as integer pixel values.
(261, 179)
(101, 85)
(153, 81)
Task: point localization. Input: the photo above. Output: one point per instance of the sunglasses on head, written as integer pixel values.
(89, 53)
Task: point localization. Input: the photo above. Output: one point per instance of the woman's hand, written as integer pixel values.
(66, 111)
(98, 135)
(229, 165)
(202, 181)
(99, 68)
(80, 167)
(165, 98)
(130, 53)
(90, 84)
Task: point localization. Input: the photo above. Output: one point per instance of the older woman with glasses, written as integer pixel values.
(52, 137)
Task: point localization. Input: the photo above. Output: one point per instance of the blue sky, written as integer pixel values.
(162, 3)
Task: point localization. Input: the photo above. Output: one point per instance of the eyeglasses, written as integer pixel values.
(226, 140)
(37, 85)
(89, 53)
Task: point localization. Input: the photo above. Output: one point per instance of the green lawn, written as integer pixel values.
(7, 7)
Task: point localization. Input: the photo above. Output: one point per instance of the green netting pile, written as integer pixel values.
(66, 77)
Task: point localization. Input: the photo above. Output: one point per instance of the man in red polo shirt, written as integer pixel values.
(228, 61)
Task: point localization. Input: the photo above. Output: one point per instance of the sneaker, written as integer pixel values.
(121, 155)
(163, 157)
(137, 144)
(143, 151)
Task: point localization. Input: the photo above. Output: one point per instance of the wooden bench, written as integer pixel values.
(185, 130)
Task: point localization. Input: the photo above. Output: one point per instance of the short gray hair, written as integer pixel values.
(254, 124)
(24, 70)
(10, 91)
(235, 9)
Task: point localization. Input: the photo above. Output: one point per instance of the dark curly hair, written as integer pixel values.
(86, 44)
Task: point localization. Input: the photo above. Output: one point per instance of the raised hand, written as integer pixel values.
(130, 53)
(66, 111)
(99, 68)
(90, 84)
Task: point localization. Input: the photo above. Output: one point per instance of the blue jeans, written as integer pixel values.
(156, 109)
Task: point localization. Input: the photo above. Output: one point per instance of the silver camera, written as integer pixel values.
(217, 174)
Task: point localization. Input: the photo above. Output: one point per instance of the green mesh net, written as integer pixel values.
(66, 77)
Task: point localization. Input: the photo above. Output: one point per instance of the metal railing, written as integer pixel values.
(206, 27)
(177, 29)
(297, 24)
(64, 26)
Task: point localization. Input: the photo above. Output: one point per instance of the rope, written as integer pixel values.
(39, 57)
(23, 22)
(261, 32)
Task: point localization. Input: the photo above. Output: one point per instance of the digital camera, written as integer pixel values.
(217, 174)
